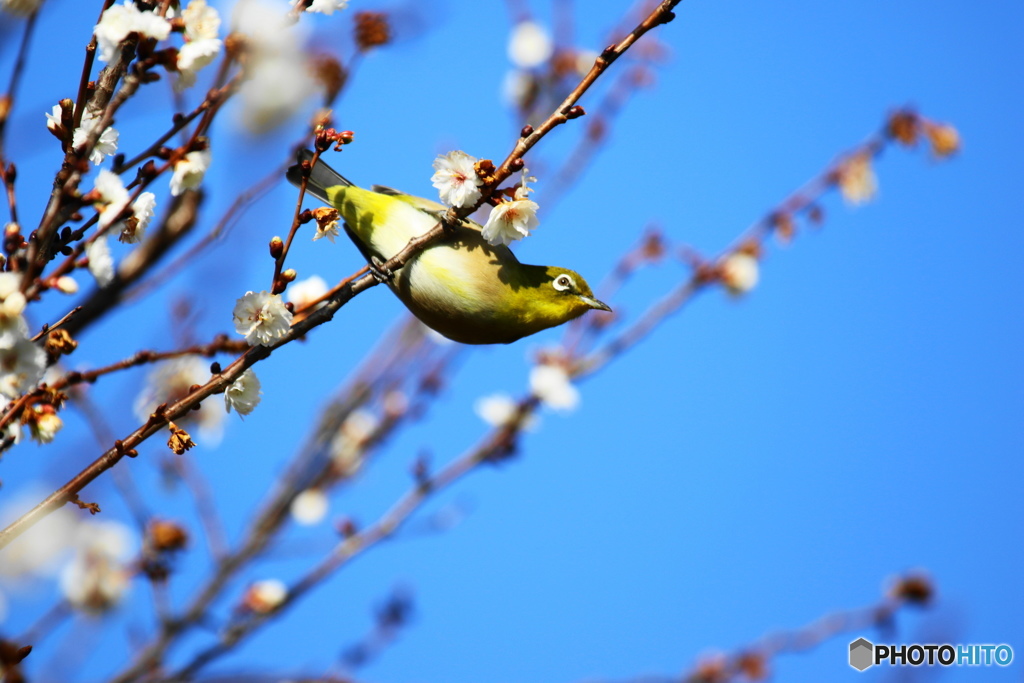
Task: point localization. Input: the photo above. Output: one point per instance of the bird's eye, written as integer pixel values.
(562, 283)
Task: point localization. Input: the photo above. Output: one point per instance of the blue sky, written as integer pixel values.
(754, 465)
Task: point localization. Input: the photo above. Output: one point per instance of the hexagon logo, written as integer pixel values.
(862, 654)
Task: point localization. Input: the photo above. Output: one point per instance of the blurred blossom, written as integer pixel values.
(12, 304)
(101, 263)
(202, 45)
(512, 220)
(67, 284)
(395, 403)
(21, 8)
(585, 61)
(496, 410)
(529, 45)
(105, 145)
(244, 393)
(456, 179)
(944, 139)
(857, 180)
(280, 81)
(261, 317)
(119, 21)
(324, 6)
(189, 171)
(499, 410)
(12, 431)
(98, 576)
(518, 88)
(113, 196)
(740, 272)
(550, 384)
(170, 381)
(347, 445)
(305, 292)
(265, 596)
(309, 507)
(22, 364)
(134, 229)
(43, 423)
(38, 553)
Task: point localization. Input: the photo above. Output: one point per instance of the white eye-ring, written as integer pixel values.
(563, 282)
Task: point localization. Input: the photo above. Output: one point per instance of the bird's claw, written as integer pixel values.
(380, 271)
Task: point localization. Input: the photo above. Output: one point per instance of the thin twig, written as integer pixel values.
(7, 101)
(46, 329)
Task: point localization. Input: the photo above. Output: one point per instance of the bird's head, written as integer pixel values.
(566, 292)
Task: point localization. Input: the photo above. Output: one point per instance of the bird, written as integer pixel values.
(464, 288)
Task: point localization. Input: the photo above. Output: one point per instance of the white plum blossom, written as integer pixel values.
(529, 45)
(101, 263)
(105, 145)
(279, 86)
(456, 179)
(120, 21)
(261, 317)
(265, 596)
(857, 180)
(496, 410)
(518, 87)
(585, 61)
(309, 507)
(113, 196)
(22, 365)
(739, 272)
(44, 423)
(328, 230)
(53, 119)
(170, 381)
(512, 220)
(67, 284)
(202, 22)
(12, 304)
(550, 383)
(327, 7)
(305, 292)
(346, 449)
(98, 576)
(38, 553)
(499, 410)
(142, 211)
(189, 171)
(280, 82)
(244, 393)
(202, 45)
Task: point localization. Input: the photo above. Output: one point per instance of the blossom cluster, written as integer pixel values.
(22, 361)
(458, 183)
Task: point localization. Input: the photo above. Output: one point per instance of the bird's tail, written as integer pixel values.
(320, 178)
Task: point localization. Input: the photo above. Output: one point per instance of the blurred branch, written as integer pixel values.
(402, 355)
(179, 220)
(7, 100)
(753, 663)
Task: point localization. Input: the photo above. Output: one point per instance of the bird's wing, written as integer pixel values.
(427, 205)
(419, 202)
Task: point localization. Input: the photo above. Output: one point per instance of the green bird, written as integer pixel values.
(464, 288)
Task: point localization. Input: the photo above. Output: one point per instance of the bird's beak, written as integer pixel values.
(594, 303)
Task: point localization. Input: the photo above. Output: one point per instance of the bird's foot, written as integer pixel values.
(380, 271)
